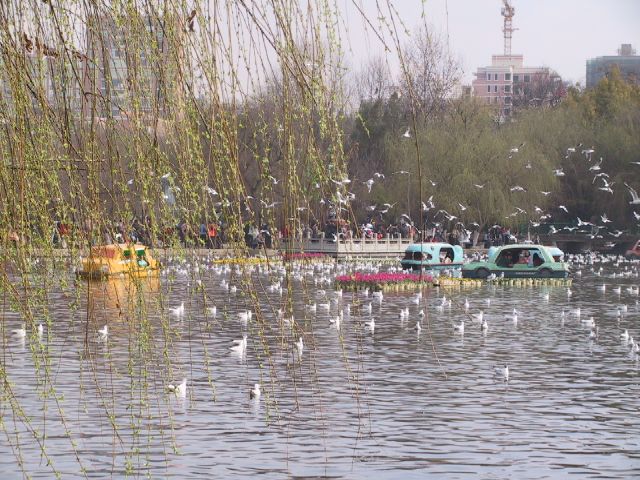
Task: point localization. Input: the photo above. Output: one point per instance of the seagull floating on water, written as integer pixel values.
(20, 332)
(179, 390)
(255, 392)
(371, 325)
(241, 346)
(503, 372)
(179, 310)
(103, 332)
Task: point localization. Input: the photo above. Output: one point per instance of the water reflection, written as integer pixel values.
(387, 402)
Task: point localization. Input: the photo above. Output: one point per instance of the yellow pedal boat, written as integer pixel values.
(121, 259)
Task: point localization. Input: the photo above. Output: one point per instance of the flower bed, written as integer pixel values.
(514, 282)
(383, 281)
(303, 256)
(239, 261)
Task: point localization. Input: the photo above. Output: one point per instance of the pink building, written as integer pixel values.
(508, 84)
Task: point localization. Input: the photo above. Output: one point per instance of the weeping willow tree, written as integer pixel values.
(158, 112)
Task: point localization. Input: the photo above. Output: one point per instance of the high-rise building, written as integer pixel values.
(507, 83)
(48, 77)
(138, 66)
(627, 62)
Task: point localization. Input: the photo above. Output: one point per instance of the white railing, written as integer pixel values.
(354, 246)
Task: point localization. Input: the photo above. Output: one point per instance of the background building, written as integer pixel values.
(507, 83)
(627, 62)
(139, 66)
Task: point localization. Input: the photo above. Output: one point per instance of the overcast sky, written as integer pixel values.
(561, 34)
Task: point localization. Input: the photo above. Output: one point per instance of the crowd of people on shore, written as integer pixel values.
(214, 235)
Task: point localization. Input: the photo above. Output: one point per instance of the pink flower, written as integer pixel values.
(380, 278)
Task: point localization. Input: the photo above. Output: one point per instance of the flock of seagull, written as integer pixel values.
(325, 303)
(341, 199)
(320, 276)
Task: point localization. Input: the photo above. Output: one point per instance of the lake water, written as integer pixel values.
(387, 404)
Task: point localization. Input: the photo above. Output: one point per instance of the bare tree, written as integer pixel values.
(374, 81)
(431, 72)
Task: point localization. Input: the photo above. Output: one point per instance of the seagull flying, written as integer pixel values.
(635, 200)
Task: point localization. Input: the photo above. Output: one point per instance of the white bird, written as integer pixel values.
(40, 330)
(336, 322)
(245, 316)
(369, 183)
(484, 327)
(104, 331)
(589, 322)
(407, 134)
(241, 346)
(20, 332)
(562, 207)
(503, 372)
(212, 311)
(625, 335)
(255, 392)
(635, 200)
(299, 346)
(179, 390)
(421, 313)
(371, 325)
(559, 172)
(459, 328)
(179, 310)
(466, 304)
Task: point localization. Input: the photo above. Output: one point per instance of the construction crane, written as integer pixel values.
(508, 11)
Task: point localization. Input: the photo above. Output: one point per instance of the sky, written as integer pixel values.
(560, 34)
